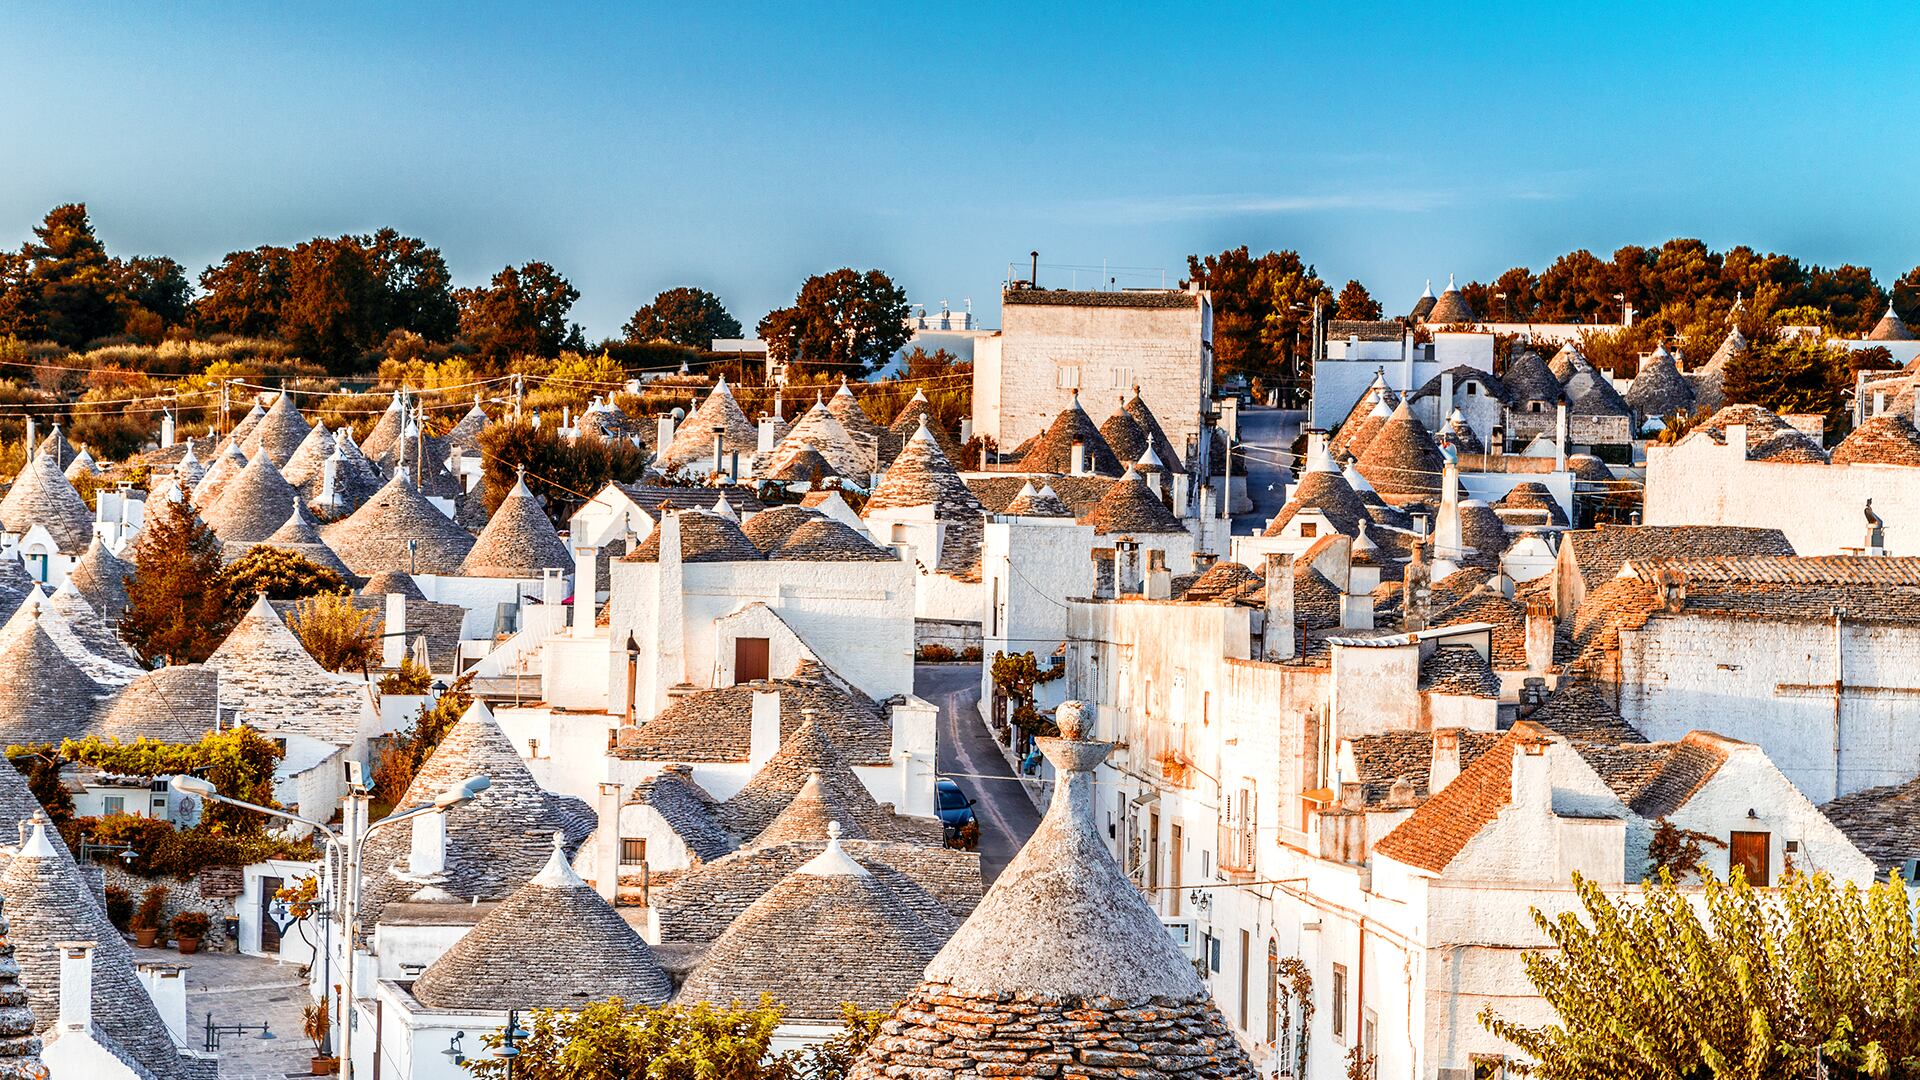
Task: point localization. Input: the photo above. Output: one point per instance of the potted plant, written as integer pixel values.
(119, 907)
(188, 928)
(146, 918)
(317, 1025)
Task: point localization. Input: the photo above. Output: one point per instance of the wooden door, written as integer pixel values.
(269, 930)
(1175, 844)
(749, 659)
(1752, 854)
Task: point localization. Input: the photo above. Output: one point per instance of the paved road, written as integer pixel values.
(238, 989)
(968, 754)
(1268, 474)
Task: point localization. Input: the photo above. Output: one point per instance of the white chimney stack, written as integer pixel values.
(1560, 438)
(663, 432)
(1079, 466)
(393, 643)
(586, 589)
(429, 852)
(166, 429)
(76, 985)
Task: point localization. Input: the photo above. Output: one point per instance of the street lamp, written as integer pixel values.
(351, 837)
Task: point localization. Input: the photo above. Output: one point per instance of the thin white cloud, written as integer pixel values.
(1183, 207)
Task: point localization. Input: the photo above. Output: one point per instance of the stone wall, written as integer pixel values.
(956, 634)
(213, 892)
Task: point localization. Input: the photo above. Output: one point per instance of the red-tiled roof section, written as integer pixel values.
(1600, 552)
(1443, 825)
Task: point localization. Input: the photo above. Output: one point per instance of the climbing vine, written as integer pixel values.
(1015, 677)
(1296, 982)
(1678, 851)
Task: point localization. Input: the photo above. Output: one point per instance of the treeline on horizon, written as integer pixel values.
(1683, 294)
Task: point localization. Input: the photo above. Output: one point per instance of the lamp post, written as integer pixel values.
(351, 837)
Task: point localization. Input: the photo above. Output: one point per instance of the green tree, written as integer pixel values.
(338, 635)
(564, 472)
(683, 316)
(522, 312)
(1257, 329)
(179, 607)
(243, 295)
(845, 322)
(1356, 302)
(1792, 375)
(1288, 331)
(416, 289)
(281, 574)
(1758, 985)
(332, 300)
(70, 290)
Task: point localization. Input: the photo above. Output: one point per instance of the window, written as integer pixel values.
(633, 852)
(1069, 376)
(1237, 830)
(1751, 853)
(749, 659)
(1122, 378)
(1337, 1015)
(1473, 390)
(899, 532)
(1309, 529)
(113, 804)
(1489, 1067)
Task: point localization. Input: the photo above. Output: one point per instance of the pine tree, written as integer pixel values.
(179, 605)
(1356, 302)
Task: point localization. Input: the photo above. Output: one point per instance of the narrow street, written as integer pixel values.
(1267, 435)
(970, 758)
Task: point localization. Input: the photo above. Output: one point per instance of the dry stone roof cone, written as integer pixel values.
(1088, 944)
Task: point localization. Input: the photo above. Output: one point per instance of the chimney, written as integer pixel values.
(1316, 442)
(330, 479)
(1356, 603)
(1560, 437)
(586, 588)
(1103, 573)
(1400, 794)
(1533, 776)
(763, 735)
(428, 854)
(719, 449)
(606, 843)
(1737, 441)
(1447, 540)
(1446, 399)
(1497, 443)
(1079, 467)
(31, 441)
(1159, 579)
(76, 985)
(1533, 694)
(663, 431)
(1879, 402)
(393, 639)
(166, 428)
(966, 430)
(1539, 637)
(1278, 624)
(1126, 556)
(765, 443)
(1416, 590)
(1446, 760)
(167, 985)
(1203, 561)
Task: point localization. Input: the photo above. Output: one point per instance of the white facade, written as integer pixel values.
(1350, 365)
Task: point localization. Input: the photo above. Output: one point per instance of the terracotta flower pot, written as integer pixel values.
(325, 1066)
(189, 945)
(144, 936)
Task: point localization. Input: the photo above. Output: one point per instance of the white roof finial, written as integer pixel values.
(834, 861)
(558, 873)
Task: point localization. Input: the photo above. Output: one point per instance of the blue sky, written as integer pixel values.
(740, 148)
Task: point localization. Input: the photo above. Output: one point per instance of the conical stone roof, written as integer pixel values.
(56, 446)
(101, 576)
(253, 505)
(178, 703)
(81, 465)
(1450, 308)
(519, 540)
(46, 696)
(552, 944)
(42, 495)
(356, 479)
(15, 583)
(821, 430)
(308, 458)
(866, 433)
(1566, 363)
(1658, 388)
(1052, 452)
(1090, 979)
(1887, 439)
(279, 433)
(1890, 327)
(1354, 438)
(1322, 487)
(465, 435)
(189, 471)
(300, 534)
(1528, 378)
(385, 431)
(1149, 424)
(1038, 502)
(392, 581)
(377, 536)
(243, 430)
(1403, 459)
(693, 440)
(47, 902)
(1124, 436)
(807, 755)
(918, 410)
(861, 942)
(1129, 506)
(19, 1046)
(226, 465)
(922, 476)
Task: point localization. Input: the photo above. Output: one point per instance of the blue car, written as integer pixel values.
(958, 826)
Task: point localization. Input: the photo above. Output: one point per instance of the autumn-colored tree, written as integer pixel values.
(239, 762)
(398, 758)
(683, 316)
(522, 311)
(281, 574)
(566, 473)
(1015, 677)
(1262, 310)
(339, 635)
(1792, 375)
(609, 1039)
(1356, 302)
(845, 323)
(179, 607)
(1810, 978)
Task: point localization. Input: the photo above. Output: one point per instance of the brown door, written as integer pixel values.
(1751, 854)
(269, 930)
(749, 659)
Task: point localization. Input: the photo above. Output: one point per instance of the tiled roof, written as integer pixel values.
(693, 439)
(688, 809)
(861, 941)
(1887, 439)
(1599, 553)
(1080, 493)
(1528, 378)
(385, 431)
(704, 537)
(176, 704)
(279, 433)
(1449, 819)
(1038, 502)
(1408, 755)
(716, 725)
(826, 540)
(277, 685)
(47, 902)
(552, 944)
(1883, 822)
(1578, 711)
(820, 429)
(251, 506)
(1149, 425)
(377, 536)
(392, 581)
(1459, 670)
(42, 495)
(101, 576)
(1124, 436)
(1658, 388)
(650, 497)
(1326, 490)
(1125, 298)
(922, 476)
(916, 411)
(1224, 582)
(494, 843)
(518, 542)
(1762, 428)
(1533, 495)
(1368, 329)
(1780, 589)
(465, 435)
(809, 752)
(1655, 780)
(1451, 307)
(1131, 507)
(19, 1047)
(1403, 459)
(1890, 328)
(1052, 452)
(46, 696)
